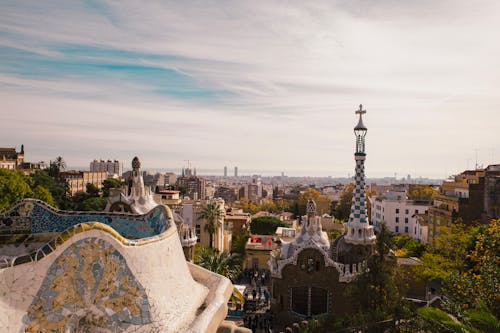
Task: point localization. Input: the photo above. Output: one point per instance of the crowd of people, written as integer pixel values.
(257, 314)
(260, 322)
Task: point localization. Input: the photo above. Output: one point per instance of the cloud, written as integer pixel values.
(267, 84)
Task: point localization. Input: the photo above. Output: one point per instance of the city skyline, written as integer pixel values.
(261, 85)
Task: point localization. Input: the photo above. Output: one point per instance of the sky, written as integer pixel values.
(269, 86)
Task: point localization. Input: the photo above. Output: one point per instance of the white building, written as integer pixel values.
(113, 168)
(400, 214)
(190, 211)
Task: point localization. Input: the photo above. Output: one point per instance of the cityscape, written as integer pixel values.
(208, 167)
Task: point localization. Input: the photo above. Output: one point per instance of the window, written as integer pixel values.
(406, 220)
(198, 232)
(397, 229)
(397, 210)
(416, 211)
(397, 219)
(406, 211)
(309, 301)
(406, 230)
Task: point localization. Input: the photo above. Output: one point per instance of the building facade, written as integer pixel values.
(193, 185)
(492, 191)
(11, 159)
(399, 214)
(113, 168)
(461, 200)
(76, 181)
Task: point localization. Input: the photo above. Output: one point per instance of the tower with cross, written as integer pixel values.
(359, 230)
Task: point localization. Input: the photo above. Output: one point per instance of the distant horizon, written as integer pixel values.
(264, 173)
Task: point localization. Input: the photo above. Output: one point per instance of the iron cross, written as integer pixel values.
(360, 111)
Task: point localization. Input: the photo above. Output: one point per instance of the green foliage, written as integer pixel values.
(376, 288)
(15, 186)
(407, 246)
(265, 225)
(322, 201)
(83, 201)
(478, 276)
(422, 192)
(467, 261)
(220, 263)
(95, 204)
(109, 184)
(41, 193)
(248, 206)
(334, 234)
(444, 320)
(92, 190)
(56, 166)
(483, 319)
(343, 208)
(43, 178)
(238, 243)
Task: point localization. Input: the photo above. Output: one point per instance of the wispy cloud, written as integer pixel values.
(263, 84)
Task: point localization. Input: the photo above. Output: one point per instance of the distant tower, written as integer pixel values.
(236, 171)
(359, 230)
(225, 171)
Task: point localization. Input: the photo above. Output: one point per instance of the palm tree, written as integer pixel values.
(219, 262)
(56, 166)
(60, 163)
(213, 215)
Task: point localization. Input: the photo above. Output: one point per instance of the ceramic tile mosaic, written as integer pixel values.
(33, 216)
(88, 287)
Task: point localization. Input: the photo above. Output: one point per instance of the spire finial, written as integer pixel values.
(360, 111)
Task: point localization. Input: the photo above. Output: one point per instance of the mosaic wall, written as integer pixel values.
(89, 288)
(33, 216)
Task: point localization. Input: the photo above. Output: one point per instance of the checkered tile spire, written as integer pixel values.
(359, 230)
(358, 205)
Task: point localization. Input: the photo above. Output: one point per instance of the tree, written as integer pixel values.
(265, 225)
(322, 201)
(220, 263)
(248, 206)
(238, 242)
(56, 166)
(43, 178)
(95, 204)
(421, 192)
(212, 214)
(110, 183)
(478, 278)
(60, 163)
(92, 190)
(376, 289)
(406, 246)
(15, 186)
(343, 209)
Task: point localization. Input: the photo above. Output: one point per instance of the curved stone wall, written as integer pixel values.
(92, 278)
(93, 282)
(34, 216)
